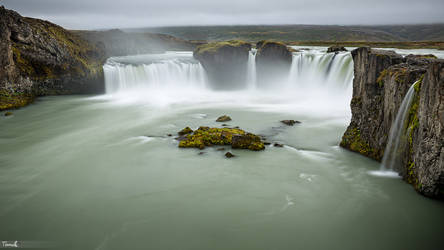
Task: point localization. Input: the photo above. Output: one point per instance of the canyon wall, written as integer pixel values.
(40, 58)
(273, 62)
(382, 79)
(225, 63)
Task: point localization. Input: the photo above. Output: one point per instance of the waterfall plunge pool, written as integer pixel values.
(100, 172)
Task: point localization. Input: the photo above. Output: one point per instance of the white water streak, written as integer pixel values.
(251, 70)
(158, 75)
(396, 132)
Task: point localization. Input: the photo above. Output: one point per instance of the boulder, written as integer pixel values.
(336, 49)
(229, 155)
(224, 118)
(225, 63)
(237, 138)
(290, 122)
(247, 141)
(185, 131)
(273, 62)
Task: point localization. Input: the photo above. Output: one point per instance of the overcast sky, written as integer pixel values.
(94, 14)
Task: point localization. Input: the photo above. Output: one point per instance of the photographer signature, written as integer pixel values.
(10, 244)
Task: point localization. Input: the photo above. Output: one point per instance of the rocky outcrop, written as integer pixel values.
(225, 63)
(40, 58)
(382, 79)
(336, 49)
(273, 62)
(237, 138)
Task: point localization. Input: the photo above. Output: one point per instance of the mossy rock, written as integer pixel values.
(185, 131)
(206, 136)
(224, 118)
(352, 140)
(14, 100)
(214, 47)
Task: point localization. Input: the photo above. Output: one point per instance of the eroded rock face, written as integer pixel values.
(225, 63)
(273, 62)
(237, 138)
(382, 79)
(336, 49)
(40, 58)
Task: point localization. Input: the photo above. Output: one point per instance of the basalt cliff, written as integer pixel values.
(381, 81)
(226, 62)
(39, 58)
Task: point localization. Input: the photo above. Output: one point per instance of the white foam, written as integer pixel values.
(386, 174)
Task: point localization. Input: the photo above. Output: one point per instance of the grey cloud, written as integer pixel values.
(88, 14)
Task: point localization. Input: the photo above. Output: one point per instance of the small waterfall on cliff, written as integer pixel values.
(397, 131)
(153, 71)
(251, 70)
(325, 70)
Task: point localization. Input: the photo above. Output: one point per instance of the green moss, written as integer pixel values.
(215, 46)
(185, 131)
(205, 136)
(382, 75)
(412, 126)
(263, 43)
(83, 58)
(353, 141)
(14, 100)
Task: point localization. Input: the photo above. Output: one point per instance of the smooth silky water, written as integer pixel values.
(100, 172)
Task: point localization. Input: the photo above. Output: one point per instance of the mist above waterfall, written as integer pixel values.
(317, 83)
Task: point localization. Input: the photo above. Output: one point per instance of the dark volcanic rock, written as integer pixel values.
(185, 131)
(336, 49)
(382, 79)
(224, 118)
(40, 58)
(229, 155)
(273, 62)
(290, 122)
(247, 141)
(225, 63)
(278, 145)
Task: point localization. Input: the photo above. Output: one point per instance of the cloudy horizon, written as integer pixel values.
(102, 14)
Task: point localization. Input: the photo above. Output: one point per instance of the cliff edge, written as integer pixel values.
(382, 79)
(39, 58)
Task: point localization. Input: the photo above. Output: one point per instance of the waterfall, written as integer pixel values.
(251, 70)
(322, 70)
(318, 81)
(396, 132)
(153, 71)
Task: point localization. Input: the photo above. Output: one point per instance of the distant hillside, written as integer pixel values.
(432, 32)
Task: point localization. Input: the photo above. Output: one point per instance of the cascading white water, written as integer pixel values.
(391, 152)
(251, 70)
(314, 69)
(317, 81)
(396, 132)
(153, 71)
(309, 69)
